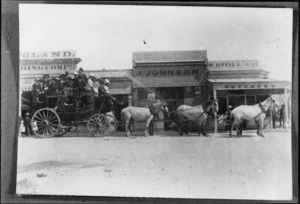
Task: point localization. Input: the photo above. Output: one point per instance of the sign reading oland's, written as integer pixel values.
(47, 55)
(56, 62)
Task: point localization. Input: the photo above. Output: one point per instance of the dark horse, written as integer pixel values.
(198, 114)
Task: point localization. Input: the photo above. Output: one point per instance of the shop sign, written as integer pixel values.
(253, 86)
(47, 69)
(48, 55)
(233, 64)
(169, 72)
(25, 83)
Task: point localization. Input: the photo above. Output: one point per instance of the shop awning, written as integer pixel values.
(249, 83)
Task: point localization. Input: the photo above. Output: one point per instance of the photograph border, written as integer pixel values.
(10, 120)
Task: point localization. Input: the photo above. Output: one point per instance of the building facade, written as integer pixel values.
(35, 64)
(179, 77)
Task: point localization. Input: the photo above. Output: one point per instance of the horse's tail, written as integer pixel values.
(231, 117)
(122, 115)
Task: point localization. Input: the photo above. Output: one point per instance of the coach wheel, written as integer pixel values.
(45, 123)
(98, 125)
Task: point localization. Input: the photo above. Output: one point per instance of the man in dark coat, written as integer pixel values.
(27, 124)
(228, 121)
(282, 116)
(105, 95)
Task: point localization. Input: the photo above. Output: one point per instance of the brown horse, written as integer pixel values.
(198, 114)
(244, 112)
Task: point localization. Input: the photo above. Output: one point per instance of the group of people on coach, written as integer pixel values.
(78, 83)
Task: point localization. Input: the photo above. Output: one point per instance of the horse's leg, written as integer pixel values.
(238, 128)
(147, 125)
(260, 127)
(131, 121)
(127, 128)
(232, 126)
(130, 127)
(203, 126)
(180, 129)
(151, 128)
(185, 130)
(199, 128)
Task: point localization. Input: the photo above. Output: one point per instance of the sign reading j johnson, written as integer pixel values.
(169, 72)
(47, 55)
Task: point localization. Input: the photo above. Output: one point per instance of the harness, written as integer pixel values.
(152, 111)
(263, 110)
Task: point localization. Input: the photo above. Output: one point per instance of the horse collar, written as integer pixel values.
(262, 108)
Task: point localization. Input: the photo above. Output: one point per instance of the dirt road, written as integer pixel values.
(249, 167)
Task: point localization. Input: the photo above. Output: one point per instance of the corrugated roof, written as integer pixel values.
(111, 73)
(169, 56)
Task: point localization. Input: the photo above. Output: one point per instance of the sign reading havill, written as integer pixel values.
(48, 55)
(233, 64)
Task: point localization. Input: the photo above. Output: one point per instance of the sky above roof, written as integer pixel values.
(105, 36)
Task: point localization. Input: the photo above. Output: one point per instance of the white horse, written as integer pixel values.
(244, 112)
(140, 114)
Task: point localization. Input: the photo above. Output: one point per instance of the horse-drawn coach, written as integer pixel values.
(57, 112)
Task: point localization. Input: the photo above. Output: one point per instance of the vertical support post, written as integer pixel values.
(227, 99)
(216, 122)
(129, 100)
(271, 118)
(286, 104)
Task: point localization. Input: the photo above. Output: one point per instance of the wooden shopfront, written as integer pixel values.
(179, 77)
(247, 91)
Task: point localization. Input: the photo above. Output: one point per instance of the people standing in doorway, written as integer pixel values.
(228, 121)
(282, 116)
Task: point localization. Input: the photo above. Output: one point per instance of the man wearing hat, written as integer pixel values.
(46, 81)
(82, 81)
(228, 121)
(27, 125)
(105, 94)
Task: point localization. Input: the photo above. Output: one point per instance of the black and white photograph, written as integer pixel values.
(155, 101)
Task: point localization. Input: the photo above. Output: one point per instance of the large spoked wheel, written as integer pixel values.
(45, 123)
(98, 125)
(113, 123)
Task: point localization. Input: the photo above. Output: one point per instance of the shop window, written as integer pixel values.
(204, 91)
(236, 101)
(261, 98)
(142, 94)
(236, 92)
(222, 105)
(181, 92)
(250, 100)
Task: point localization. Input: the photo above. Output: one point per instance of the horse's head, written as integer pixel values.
(212, 107)
(164, 106)
(269, 102)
